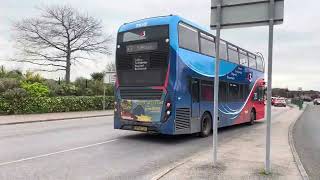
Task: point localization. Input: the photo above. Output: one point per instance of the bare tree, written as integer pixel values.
(59, 37)
(111, 67)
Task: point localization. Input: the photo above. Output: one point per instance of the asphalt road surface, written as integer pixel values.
(92, 149)
(306, 136)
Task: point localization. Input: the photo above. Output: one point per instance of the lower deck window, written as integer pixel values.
(206, 90)
(232, 92)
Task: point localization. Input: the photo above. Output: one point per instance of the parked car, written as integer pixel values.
(280, 102)
(316, 102)
(272, 100)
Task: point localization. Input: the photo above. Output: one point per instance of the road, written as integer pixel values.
(92, 149)
(306, 136)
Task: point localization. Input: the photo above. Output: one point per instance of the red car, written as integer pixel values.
(272, 100)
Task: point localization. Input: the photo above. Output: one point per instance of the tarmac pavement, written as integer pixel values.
(89, 148)
(306, 134)
(242, 157)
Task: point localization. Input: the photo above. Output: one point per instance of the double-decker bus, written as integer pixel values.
(165, 78)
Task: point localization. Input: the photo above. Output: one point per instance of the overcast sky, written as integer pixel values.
(296, 42)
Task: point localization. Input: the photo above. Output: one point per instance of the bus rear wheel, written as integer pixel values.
(252, 118)
(206, 123)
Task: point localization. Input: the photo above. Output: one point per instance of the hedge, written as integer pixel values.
(31, 105)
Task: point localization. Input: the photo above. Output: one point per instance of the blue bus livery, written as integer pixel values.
(165, 73)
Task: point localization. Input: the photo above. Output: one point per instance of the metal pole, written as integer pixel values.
(104, 94)
(104, 97)
(216, 86)
(269, 88)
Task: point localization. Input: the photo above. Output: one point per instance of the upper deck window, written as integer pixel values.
(223, 50)
(260, 65)
(144, 34)
(243, 57)
(207, 45)
(252, 62)
(233, 54)
(188, 37)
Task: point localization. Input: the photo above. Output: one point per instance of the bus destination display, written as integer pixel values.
(151, 46)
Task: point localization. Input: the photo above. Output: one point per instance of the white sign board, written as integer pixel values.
(245, 13)
(110, 78)
(113, 78)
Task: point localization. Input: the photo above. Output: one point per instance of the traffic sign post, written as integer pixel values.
(269, 88)
(216, 85)
(245, 13)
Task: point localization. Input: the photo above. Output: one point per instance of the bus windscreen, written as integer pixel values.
(142, 56)
(142, 34)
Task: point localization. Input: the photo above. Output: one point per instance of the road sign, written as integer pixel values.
(110, 77)
(245, 13)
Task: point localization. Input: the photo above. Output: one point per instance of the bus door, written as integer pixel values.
(259, 102)
(195, 94)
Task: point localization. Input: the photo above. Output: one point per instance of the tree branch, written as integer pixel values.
(37, 63)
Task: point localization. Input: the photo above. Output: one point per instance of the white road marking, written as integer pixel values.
(58, 152)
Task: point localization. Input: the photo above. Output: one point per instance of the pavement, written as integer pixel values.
(30, 118)
(242, 157)
(306, 135)
(92, 149)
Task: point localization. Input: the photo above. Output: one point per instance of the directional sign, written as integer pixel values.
(245, 13)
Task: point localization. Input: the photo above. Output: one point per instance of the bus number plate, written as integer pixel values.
(140, 128)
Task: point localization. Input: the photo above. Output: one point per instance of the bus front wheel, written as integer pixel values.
(206, 123)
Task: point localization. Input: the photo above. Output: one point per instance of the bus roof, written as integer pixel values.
(158, 20)
(174, 20)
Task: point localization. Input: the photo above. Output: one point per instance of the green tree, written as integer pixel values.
(98, 76)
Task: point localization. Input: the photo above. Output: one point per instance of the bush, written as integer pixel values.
(52, 85)
(33, 77)
(15, 94)
(70, 89)
(109, 89)
(12, 100)
(4, 106)
(30, 105)
(17, 74)
(97, 87)
(82, 82)
(3, 72)
(35, 89)
(86, 92)
(8, 83)
(84, 87)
